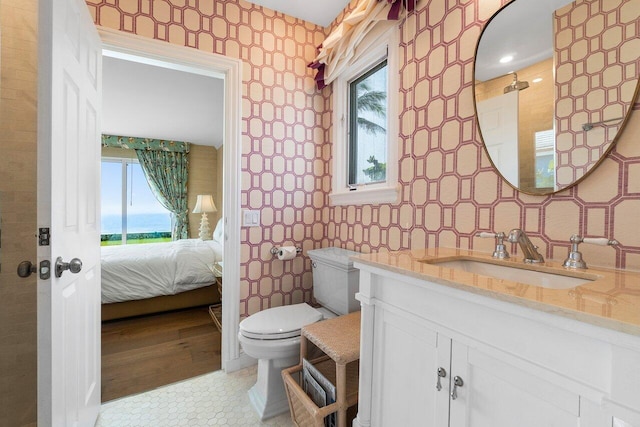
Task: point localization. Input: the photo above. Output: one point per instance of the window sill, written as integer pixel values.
(365, 196)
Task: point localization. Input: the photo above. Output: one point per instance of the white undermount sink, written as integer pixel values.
(545, 279)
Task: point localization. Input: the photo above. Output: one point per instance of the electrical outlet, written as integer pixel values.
(250, 218)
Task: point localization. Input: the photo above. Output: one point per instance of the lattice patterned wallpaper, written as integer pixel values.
(284, 152)
(592, 36)
(449, 190)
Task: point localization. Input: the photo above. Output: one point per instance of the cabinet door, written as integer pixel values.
(617, 422)
(625, 417)
(595, 415)
(406, 359)
(498, 393)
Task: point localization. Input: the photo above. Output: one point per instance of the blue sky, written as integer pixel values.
(140, 198)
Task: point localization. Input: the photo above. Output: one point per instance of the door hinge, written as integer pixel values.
(43, 236)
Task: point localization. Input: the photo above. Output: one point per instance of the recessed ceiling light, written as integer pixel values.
(537, 80)
(506, 59)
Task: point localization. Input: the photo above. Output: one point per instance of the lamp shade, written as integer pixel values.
(205, 204)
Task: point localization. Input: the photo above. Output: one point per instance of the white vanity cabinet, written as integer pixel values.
(498, 393)
(405, 357)
(515, 365)
(410, 356)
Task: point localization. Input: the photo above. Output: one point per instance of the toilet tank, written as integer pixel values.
(335, 280)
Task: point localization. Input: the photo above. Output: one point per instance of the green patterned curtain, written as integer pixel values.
(167, 173)
(166, 167)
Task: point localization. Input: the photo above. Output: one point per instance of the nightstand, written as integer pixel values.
(219, 283)
(216, 310)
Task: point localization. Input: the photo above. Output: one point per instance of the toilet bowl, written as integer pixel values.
(273, 335)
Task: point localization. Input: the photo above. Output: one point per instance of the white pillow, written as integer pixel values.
(218, 233)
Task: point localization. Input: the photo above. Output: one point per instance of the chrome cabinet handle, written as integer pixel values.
(74, 266)
(457, 382)
(442, 373)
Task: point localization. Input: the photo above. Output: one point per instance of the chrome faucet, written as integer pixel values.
(574, 259)
(529, 250)
(501, 250)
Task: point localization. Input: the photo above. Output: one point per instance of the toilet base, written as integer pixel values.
(268, 396)
(264, 409)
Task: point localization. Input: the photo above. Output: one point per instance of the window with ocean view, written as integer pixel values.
(130, 212)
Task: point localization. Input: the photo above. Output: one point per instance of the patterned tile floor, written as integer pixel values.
(215, 399)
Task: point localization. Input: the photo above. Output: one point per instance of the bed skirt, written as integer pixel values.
(197, 297)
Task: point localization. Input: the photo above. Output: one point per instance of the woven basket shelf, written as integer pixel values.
(304, 412)
(339, 340)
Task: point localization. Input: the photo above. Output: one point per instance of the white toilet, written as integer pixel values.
(273, 336)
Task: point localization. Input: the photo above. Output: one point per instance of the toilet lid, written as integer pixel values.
(279, 322)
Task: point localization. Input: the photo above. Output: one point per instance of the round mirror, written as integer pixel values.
(554, 83)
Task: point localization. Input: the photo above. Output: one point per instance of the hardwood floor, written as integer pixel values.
(140, 354)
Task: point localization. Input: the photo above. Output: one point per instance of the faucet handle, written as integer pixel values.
(486, 234)
(501, 249)
(602, 241)
(574, 259)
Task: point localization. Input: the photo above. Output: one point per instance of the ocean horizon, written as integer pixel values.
(137, 223)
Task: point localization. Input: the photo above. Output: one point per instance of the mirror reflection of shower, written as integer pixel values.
(515, 113)
(515, 84)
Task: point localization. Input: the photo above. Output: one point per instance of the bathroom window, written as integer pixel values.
(367, 132)
(366, 127)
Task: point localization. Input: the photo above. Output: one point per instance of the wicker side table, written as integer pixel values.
(339, 339)
(215, 310)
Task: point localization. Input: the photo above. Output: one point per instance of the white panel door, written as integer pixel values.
(406, 360)
(498, 117)
(496, 393)
(69, 62)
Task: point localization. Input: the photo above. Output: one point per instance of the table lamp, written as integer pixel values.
(205, 204)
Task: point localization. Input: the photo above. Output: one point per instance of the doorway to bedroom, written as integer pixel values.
(162, 156)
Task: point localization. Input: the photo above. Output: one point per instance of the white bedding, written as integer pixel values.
(133, 272)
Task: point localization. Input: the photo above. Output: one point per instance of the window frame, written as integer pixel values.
(352, 135)
(124, 161)
(386, 47)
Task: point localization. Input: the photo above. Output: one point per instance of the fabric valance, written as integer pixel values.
(355, 34)
(146, 144)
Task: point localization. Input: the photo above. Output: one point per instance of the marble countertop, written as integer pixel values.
(609, 298)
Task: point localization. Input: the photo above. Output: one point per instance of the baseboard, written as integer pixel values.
(356, 423)
(241, 362)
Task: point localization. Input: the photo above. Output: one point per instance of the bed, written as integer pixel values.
(149, 278)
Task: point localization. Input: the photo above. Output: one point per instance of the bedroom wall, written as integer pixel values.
(219, 181)
(203, 179)
(18, 84)
(118, 153)
(450, 190)
(283, 145)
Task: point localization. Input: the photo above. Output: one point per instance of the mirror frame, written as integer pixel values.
(612, 143)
